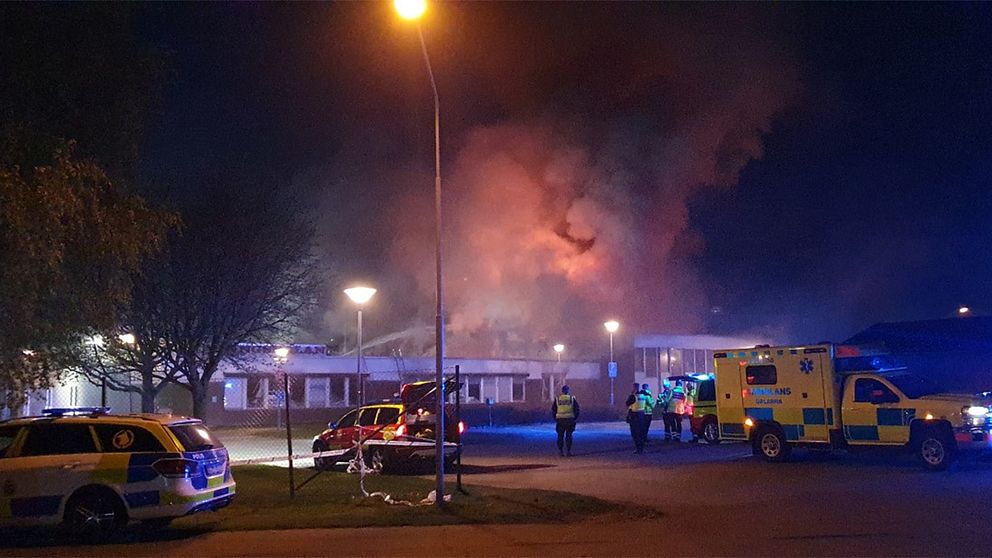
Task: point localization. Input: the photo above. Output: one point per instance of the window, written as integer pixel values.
(7, 436)
(518, 388)
(707, 391)
(121, 438)
(869, 390)
(762, 375)
(195, 437)
(367, 418)
(297, 391)
(348, 419)
(58, 439)
(235, 392)
(388, 415)
(258, 388)
(317, 391)
(474, 389)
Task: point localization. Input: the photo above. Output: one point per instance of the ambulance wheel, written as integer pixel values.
(321, 463)
(936, 448)
(375, 460)
(95, 513)
(770, 443)
(711, 431)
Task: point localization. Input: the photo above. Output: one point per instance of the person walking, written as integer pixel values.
(664, 406)
(635, 417)
(565, 410)
(677, 406)
(648, 409)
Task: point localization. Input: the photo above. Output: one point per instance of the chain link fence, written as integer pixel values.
(393, 431)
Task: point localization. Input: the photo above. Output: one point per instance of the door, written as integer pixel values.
(52, 462)
(729, 398)
(344, 431)
(874, 413)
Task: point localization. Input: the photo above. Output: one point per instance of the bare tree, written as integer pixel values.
(243, 270)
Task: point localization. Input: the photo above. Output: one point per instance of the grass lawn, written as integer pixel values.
(334, 500)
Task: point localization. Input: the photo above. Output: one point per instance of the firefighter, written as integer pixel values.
(677, 406)
(635, 417)
(565, 410)
(648, 409)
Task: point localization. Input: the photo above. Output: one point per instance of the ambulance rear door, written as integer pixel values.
(729, 401)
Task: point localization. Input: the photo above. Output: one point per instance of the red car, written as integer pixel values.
(396, 433)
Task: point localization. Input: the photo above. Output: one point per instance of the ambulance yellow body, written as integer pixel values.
(780, 397)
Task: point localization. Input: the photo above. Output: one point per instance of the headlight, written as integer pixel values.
(977, 411)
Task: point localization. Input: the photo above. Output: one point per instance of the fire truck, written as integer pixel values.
(777, 398)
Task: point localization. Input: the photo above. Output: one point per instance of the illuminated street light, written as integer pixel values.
(559, 348)
(414, 10)
(964, 311)
(360, 296)
(281, 355)
(127, 338)
(410, 9)
(612, 326)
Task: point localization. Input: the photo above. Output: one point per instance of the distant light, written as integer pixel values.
(928, 417)
(978, 411)
(612, 326)
(559, 347)
(27, 352)
(360, 295)
(410, 9)
(229, 385)
(964, 310)
(127, 338)
(281, 352)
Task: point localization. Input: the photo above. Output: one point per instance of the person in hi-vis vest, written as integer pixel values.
(565, 410)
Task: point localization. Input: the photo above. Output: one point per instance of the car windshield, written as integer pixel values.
(914, 386)
(195, 437)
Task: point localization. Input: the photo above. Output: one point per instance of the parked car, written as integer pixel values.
(94, 471)
(396, 433)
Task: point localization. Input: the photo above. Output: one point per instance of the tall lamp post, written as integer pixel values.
(360, 296)
(559, 349)
(612, 326)
(281, 357)
(413, 10)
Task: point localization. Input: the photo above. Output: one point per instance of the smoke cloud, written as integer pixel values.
(571, 206)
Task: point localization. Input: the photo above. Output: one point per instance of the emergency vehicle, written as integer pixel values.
(94, 471)
(394, 433)
(780, 397)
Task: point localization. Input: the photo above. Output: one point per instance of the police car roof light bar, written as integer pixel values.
(75, 411)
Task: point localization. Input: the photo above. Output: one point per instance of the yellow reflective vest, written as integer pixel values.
(648, 404)
(565, 407)
(639, 404)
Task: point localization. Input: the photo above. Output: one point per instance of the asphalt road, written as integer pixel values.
(714, 500)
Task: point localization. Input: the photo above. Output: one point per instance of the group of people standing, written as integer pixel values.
(642, 406)
(641, 409)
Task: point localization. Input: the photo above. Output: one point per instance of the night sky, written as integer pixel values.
(799, 171)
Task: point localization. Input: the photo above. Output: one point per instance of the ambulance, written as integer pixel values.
(777, 398)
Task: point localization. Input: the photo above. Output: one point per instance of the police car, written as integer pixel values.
(94, 471)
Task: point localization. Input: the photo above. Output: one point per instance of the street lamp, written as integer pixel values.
(413, 10)
(558, 349)
(964, 311)
(281, 356)
(612, 326)
(360, 296)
